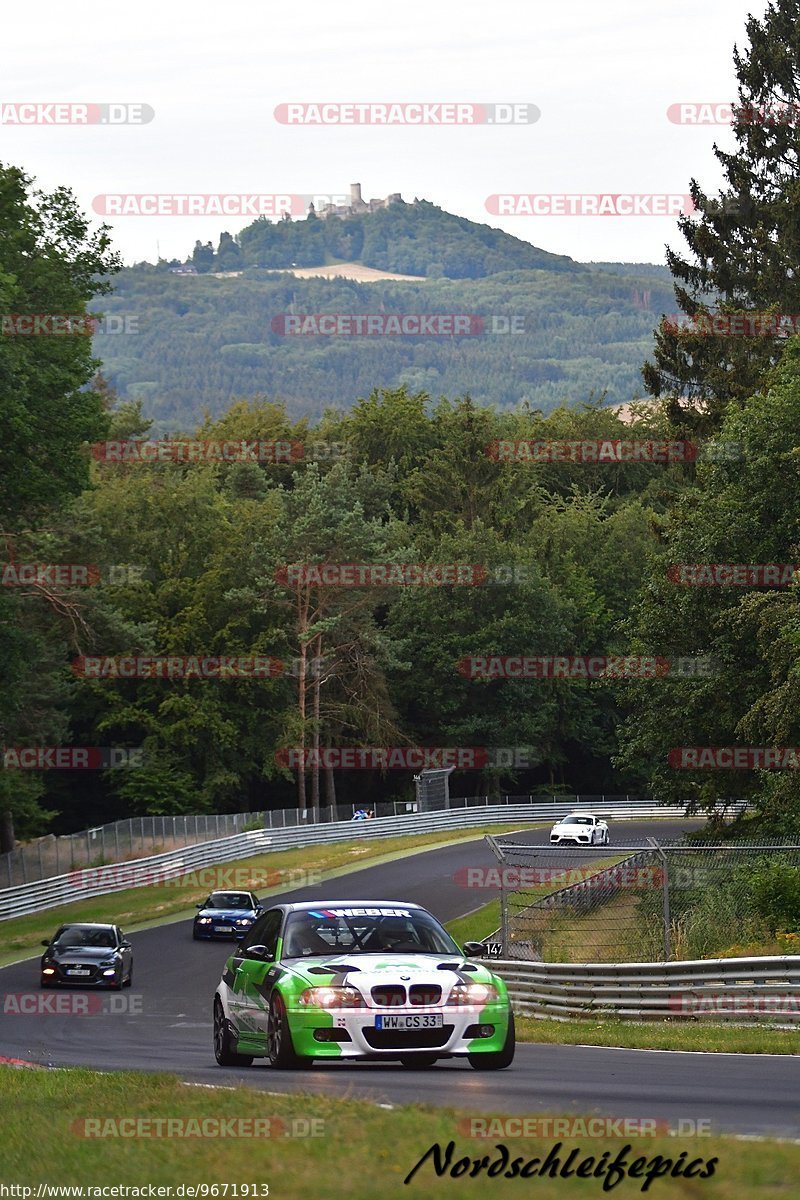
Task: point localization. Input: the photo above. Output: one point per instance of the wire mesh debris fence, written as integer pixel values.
(136, 837)
(662, 901)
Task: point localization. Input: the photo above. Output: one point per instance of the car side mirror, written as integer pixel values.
(125, 945)
(45, 942)
(475, 948)
(259, 952)
(199, 906)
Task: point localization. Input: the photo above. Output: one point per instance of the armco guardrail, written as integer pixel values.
(728, 989)
(137, 837)
(98, 881)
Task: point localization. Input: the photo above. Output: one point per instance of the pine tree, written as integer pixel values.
(744, 244)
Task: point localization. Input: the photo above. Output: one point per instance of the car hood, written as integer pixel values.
(87, 954)
(369, 970)
(219, 914)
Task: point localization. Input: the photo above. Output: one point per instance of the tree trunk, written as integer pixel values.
(330, 791)
(8, 841)
(316, 687)
(301, 703)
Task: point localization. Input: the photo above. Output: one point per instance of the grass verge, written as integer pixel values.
(175, 900)
(662, 1035)
(361, 1149)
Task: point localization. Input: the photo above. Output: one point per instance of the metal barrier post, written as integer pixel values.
(664, 897)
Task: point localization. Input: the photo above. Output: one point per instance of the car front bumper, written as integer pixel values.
(351, 1033)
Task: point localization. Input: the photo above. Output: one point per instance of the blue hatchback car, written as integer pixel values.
(225, 915)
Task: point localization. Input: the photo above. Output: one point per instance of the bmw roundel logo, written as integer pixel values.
(405, 978)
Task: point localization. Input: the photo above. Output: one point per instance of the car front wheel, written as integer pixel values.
(224, 1051)
(279, 1038)
(500, 1059)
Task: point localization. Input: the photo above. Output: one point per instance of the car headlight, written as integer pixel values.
(472, 993)
(244, 921)
(203, 920)
(332, 997)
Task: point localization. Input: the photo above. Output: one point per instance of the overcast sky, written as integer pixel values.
(603, 76)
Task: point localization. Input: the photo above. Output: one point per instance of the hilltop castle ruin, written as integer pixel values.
(357, 205)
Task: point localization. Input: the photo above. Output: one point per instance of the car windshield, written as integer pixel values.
(577, 821)
(81, 935)
(229, 900)
(373, 930)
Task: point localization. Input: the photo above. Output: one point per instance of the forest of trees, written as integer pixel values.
(198, 342)
(408, 239)
(575, 558)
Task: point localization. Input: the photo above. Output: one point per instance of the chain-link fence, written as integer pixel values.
(138, 837)
(647, 903)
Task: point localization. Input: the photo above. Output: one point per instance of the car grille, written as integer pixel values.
(424, 993)
(407, 1039)
(388, 995)
(93, 975)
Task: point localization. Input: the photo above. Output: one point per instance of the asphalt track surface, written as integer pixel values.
(175, 978)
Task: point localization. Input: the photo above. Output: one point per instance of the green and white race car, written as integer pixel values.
(358, 979)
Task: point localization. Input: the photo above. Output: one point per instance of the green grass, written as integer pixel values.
(661, 1035)
(477, 925)
(136, 908)
(361, 1150)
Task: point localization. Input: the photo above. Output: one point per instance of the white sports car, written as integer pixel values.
(580, 828)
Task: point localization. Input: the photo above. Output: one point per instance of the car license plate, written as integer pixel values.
(77, 971)
(409, 1021)
(222, 929)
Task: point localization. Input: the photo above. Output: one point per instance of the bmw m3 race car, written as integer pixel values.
(225, 915)
(358, 979)
(580, 827)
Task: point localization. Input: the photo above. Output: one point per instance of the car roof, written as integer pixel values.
(86, 925)
(314, 905)
(232, 892)
(579, 814)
